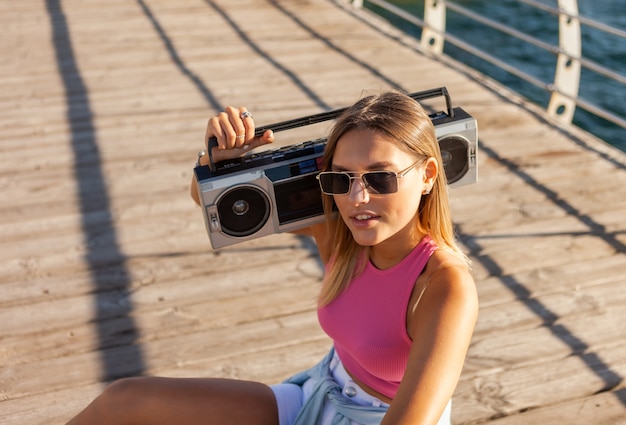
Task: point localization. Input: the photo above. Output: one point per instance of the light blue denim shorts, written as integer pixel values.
(291, 397)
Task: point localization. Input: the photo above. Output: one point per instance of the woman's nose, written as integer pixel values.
(358, 191)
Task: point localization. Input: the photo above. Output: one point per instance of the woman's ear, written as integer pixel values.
(431, 169)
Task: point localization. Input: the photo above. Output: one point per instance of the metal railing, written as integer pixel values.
(564, 89)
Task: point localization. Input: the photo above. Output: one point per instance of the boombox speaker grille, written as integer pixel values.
(455, 156)
(243, 210)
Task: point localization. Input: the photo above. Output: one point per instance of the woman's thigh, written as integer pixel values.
(153, 400)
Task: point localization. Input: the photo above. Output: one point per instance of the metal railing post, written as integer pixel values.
(567, 73)
(433, 33)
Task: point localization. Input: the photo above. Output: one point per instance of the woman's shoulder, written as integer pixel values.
(445, 259)
(447, 273)
(446, 292)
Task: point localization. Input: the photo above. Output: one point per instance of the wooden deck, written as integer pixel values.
(105, 266)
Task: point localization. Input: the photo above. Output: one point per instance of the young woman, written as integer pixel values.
(397, 300)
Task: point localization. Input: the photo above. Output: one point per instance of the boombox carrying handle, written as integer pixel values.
(325, 116)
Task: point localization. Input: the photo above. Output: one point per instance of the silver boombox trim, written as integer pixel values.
(276, 191)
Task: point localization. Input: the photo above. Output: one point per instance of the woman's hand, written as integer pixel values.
(234, 130)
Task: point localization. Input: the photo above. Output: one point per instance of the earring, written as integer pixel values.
(426, 192)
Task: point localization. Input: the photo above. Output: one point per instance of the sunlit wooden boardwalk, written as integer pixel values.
(105, 266)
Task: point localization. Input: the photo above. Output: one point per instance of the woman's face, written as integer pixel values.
(379, 219)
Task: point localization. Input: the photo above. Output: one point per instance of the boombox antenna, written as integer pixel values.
(329, 115)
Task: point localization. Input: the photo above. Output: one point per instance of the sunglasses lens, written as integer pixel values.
(381, 182)
(334, 183)
(376, 182)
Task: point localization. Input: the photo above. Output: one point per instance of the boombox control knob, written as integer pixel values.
(214, 222)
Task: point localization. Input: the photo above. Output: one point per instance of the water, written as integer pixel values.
(605, 49)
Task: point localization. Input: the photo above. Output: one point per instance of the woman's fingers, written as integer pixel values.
(234, 131)
(248, 125)
(233, 128)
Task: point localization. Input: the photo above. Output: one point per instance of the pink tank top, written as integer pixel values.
(367, 322)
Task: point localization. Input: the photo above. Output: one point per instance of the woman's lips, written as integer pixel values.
(363, 219)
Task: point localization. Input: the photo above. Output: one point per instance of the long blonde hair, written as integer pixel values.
(401, 118)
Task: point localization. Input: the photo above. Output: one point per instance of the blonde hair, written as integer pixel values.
(400, 118)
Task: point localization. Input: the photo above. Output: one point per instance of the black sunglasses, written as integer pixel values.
(375, 182)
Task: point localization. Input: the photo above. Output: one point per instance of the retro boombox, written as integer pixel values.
(277, 191)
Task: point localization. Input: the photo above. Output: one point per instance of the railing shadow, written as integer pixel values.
(594, 227)
(180, 64)
(259, 51)
(578, 347)
(352, 58)
(120, 353)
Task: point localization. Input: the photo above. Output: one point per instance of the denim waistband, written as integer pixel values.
(351, 389)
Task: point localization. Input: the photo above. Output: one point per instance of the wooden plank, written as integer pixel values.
(601, 409)
(204, 346)
(563, 278)
(161, 309)
(518, 390)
